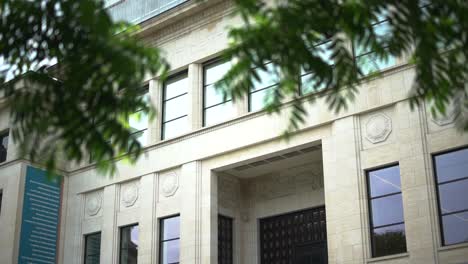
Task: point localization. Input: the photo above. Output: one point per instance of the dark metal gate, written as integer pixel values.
(294, 238)
(225, 245)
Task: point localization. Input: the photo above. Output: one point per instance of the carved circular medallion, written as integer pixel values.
(451, 114)
(378, 128)
(169, 184)
(129, 194)
(93, 203)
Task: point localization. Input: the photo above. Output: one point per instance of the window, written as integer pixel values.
(215, 108)
(308, 82)
(175, 106)
(3, 146)
(1, 199)
(138, 121)
(169, 247)
(451, 172)
(366, 59)
(129, 245)
(386, 212)
(92, 248)
(225, 241)
(263, 88)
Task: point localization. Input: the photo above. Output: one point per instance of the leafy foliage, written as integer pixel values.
(287, 33)
(85, 107)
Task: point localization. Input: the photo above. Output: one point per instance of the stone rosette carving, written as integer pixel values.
(451, 114)
(93, 203)
(169, 184)
(129, 194)
(378, 128)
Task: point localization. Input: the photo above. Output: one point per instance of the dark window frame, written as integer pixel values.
(249, 97)
(86, 236)
(369, 206)
(354, 48)
(301, 90)
(164, 101)
(4, 134)
(161, 234)
(211, 63)
(120, 239)
(1, 200)
(142, 92)
(440, 215)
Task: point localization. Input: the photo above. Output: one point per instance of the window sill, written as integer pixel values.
(390, 257)
(452, 247)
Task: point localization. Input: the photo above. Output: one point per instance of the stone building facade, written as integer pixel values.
(236, 192)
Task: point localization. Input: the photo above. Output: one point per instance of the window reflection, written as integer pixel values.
(3, 146)
(366, 59)
(386, 211)
(309, 83)
(175, 110)
(129, 245)
(93, 248)
(169, 240)
(263, 87)
(216, 107)
(452, 180)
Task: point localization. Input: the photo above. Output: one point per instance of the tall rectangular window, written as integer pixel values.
(129, 245)
(225, 240)
(309, 82)
(1, 199)
(175, 106)
(93, 248)
(365, 57)
(215, 108)
(386, 211)
(451, 172)
(264, 88)
(169, 248)
(138, 121)
(3, 145)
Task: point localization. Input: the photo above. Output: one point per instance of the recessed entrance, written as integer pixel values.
(275, 204)
(294, 238)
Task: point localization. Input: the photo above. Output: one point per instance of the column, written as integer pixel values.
(342, 195)
(195, 95)
(198, 214)
(109, 233)
(145, 225)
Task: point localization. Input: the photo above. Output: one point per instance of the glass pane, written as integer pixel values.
(219, 113)
(175, 86)
(213, 96)
(388, 240)
(170, 252)
(453, 196)
(455, 228)
(369, 63)
(451, 166)
(216, 71)
(93, 248)
(309, 84)
(170, 227)
(142, 137)
(266, 78)
(387, 210)
(129, 245)
(382, 30)
(259, 99)
(176, 107)
(138, 121)
(4, 141)
(384, 181)
(175, 128)
(324, 51)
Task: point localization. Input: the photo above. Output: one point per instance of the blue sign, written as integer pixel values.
(41, 216)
